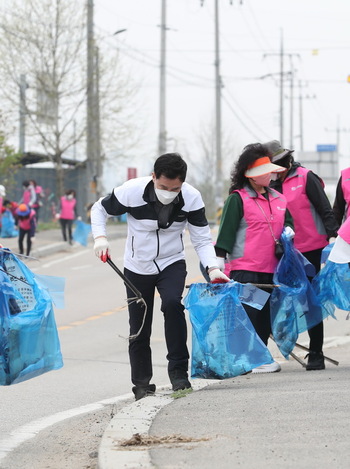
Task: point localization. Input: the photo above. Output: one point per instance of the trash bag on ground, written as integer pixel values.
(29, 343)
(332, 286)
(81, 232)
(294, 305)
(224, 341)
(8, 226)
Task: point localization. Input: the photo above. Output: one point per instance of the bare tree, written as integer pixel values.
(46, 42)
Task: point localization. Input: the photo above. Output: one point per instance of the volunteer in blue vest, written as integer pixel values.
(159, 208)
(342, 197)
(314, 222)
(253, 218)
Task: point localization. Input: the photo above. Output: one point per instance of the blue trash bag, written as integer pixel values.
(325, 252)
(224, 341)
(332, 286)
(29, 343)
(294, 305)
(8, 227)
(81, 232)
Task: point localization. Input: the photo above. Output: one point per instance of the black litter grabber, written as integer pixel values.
(138, 296)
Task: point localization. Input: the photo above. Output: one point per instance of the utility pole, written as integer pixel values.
(301, 117)
(218, 86)
(219, 181)
(97, 126)
(22, 113)
(91, 100)
(281, 73)
(281, 90)
(162, 97)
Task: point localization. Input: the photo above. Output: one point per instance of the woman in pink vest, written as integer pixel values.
(314, 224)
(68, 214)
(26, 225)
(252, 221)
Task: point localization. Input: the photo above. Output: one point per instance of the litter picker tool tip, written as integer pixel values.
(138, 296)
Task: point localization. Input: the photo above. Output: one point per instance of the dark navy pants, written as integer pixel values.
(170, 284)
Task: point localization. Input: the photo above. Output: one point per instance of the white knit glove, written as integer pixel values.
(289, 232)
(331, 240)
(216, 276)
(102, 249)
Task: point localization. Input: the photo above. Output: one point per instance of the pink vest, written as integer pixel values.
(345, 185)
(310, 233)
(67, 208)
(27, 196)
(25, 222)
(344, 231)
(254, 249)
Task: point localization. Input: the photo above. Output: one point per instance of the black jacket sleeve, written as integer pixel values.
(339, 203)
(319, 199)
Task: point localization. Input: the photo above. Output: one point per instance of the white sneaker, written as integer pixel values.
(269, 368)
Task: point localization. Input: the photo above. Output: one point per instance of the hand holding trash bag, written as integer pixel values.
(101, 248)
(289, 232)
(216, 276)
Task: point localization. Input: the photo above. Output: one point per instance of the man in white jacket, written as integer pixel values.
(159, 208)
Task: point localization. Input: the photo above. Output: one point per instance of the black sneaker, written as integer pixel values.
(179, 380)
(143, 391)
(315, 361)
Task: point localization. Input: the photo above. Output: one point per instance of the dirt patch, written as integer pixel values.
(147, 440)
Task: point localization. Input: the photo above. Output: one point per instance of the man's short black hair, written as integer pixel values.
(171, 166)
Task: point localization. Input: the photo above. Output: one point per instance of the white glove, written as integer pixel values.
(289, 232)
(102, 249)
(331, 240)
(78, 218)
(221, 263)
(216, 276)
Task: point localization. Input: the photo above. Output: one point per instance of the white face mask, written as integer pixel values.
(274, 176)
(70, 197)
(165, 197)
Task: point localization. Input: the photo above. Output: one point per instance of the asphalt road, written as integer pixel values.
(57, 419)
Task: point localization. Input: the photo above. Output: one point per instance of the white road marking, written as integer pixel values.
(30, 430)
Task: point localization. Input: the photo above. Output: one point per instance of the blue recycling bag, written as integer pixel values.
(294, 305)
(332, 286)
(325, 252)
(81, 232)
(8, 226)
(29, 343)
(224, 341)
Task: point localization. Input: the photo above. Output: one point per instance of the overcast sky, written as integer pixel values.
(316, 37)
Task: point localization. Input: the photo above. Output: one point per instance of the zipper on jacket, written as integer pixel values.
(132, 246)
(154, 260)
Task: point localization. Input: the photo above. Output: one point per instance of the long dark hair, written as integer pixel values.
(250, 153)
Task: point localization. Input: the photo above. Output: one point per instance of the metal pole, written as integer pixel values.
(301, 117)
(97, 126)
(22, 113)
(219, 182)
(162, 97)
(90, 140)
(291, 104)
(281, 90)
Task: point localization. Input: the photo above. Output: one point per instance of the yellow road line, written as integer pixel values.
(109, 313)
